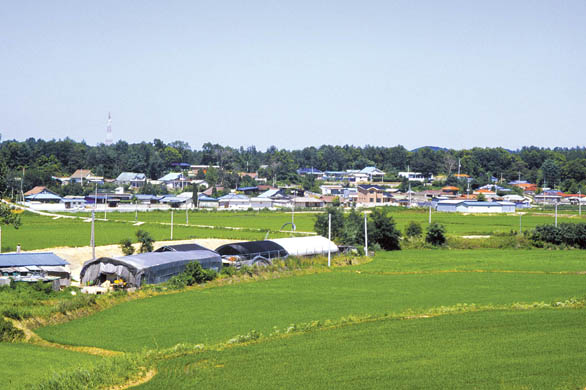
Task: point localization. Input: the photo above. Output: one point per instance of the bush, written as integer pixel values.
(413, 230)
(193, 274)
(145, 240)
(126, 246)
(8, 333)
(385, 233)
(436, 234)
(570, 234)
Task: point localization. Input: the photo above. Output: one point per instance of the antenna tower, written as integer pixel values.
(109, 138)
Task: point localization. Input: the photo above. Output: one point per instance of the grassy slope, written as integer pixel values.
(215, 315)
(537, 349)
(25, 364)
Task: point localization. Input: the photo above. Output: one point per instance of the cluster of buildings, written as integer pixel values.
(349, 188)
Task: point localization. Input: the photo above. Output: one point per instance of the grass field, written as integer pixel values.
(22, 365)
(217, 314)
(540, 349)
(39, 232)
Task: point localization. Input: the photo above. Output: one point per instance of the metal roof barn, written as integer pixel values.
(32, 259)
(146, 268)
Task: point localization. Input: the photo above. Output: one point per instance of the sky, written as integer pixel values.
(455, 74)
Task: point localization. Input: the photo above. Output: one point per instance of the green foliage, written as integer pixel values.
(337, 225)
(481, 198)
(9, 333)
(570, 234)
(145, 240)
(126, 246)
(385, 233)
(436, 234)
(7, 217)
(193, 274)
(413, 230)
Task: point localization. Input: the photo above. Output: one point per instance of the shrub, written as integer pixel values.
(193, 274)
(413, 230)
(8, 332)
(145, 240)
(126, 246)
(570, 234)
(436, 234)
(385, 233)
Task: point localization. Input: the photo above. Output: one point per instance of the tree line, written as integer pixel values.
(562, 168)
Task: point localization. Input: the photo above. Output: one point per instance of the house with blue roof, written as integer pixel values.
(132, 179)
(234, 201)
(373, 173)
(174, 180)
(34, 267)
(310, 171)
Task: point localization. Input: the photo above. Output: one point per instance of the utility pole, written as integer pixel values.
(171, 224)
(93, 236)
(0, 238)
(186, 214)
(106, 207)
(329, 238)
(520, 223)
(579, 202)
(459, 165)
(21, 184)
(365, 235)
(429, 221)
(293, 215)
(556, 214)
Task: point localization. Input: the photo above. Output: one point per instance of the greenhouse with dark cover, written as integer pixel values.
(146, 268)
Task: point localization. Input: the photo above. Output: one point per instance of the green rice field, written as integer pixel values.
(22, 365)
(39, 232)
(541, 349)
(458, 319)
(214, 315)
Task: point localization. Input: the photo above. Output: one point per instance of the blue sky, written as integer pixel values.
(293, 74)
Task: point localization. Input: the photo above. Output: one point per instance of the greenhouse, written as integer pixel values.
(146, 268)
(279, 247)
(249, 250)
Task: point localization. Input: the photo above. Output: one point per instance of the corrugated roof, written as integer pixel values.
(43, 196)
(171, 176)
(131, 176)
(26, 259)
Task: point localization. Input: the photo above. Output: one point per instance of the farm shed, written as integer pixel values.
(147, 268)
(32, 267)
(250, 249)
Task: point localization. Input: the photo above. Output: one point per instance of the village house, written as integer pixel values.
(132, 179)
(373, 195)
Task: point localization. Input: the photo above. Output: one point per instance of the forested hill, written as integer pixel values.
(566, 167)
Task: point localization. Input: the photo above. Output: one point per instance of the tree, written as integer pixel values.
(145, 240)
(8, 217)
(321, 223)
(413, 230)
(126, 247)
(385, 233)
(551, 172)
(436, 234)
(480, 197)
